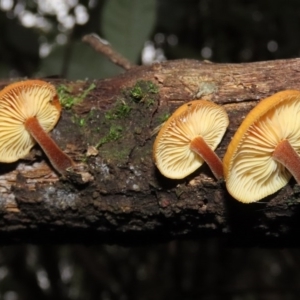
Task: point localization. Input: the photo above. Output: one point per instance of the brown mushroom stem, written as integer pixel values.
(199, 146)
(59, 160)
(286, 155)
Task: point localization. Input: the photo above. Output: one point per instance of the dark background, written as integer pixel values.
(43, 38)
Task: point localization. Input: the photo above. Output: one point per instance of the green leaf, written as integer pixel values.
(84, 63)
(127, 24)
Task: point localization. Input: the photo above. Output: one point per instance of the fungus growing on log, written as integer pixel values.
(28, 111)
(189, 138)
(264, 152)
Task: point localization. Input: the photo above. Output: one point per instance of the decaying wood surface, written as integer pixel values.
(128, 201)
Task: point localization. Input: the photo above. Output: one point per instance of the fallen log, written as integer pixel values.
(107, 126)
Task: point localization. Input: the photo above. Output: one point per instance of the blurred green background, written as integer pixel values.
(40, 38)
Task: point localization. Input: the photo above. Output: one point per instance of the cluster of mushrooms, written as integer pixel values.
(261, 158)
(28, 111)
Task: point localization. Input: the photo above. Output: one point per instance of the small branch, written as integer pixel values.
(103, 46)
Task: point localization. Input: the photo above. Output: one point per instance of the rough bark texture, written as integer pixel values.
(128, 201)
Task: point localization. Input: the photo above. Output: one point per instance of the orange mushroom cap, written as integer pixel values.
(18, 102)
(172, 151)
(251, 169)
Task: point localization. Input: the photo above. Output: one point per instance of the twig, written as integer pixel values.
(103, 46)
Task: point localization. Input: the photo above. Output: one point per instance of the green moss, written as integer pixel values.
(152, 88)
(104, 128)
(137, 93)
(79, 120)
(82, 122)
(141, 90)
(150, 102)
(121, 110)
(115, 133)
(67, 96)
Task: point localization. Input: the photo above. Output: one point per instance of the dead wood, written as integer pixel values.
(128, 201)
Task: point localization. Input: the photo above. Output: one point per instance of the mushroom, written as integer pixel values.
(264, 152)
(188, 139)
(28, 110)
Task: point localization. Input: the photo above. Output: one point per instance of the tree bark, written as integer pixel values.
(108, 129)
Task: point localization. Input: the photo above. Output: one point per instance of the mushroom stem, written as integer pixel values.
(286, 155)
(59, 160)
(199, 146)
